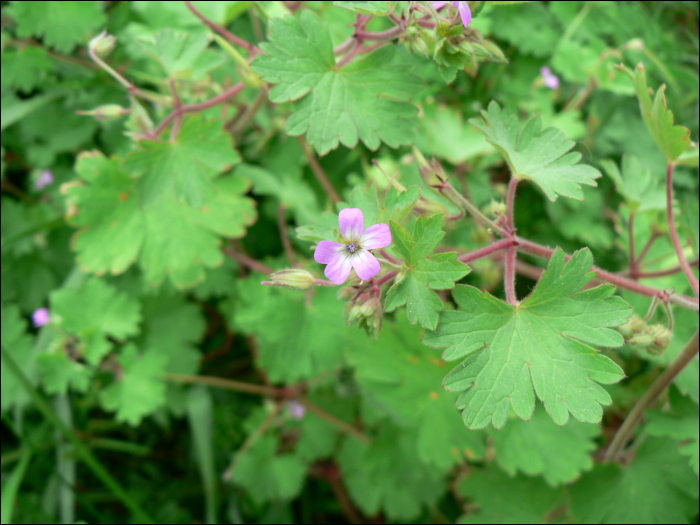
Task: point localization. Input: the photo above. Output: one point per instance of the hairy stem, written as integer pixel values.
(286, 243)
(193, 108)
(81, 450)
(509, 274)
(230, 384)
(674, 234)
(247, 261)
(318, 170)
(223, 31)
(634, 265)
(621, 282)
(333, 420)
(509, 278)
(458, 198)
(503, 244)
(626, 430)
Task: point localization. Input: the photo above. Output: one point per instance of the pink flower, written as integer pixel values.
(550, 79)
(296, 409)
(354, 251)
(44, 179)
(41, 317)
(464, 12)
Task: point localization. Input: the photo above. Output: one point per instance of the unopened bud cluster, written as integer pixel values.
(655, 337)
(366, 310)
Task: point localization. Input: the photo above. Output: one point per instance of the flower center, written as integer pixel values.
(352, 247)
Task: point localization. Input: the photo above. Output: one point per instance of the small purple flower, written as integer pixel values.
(41, 317)
(464, 12)
(550, 79)
(44, 179)
(354, 251)
(296, 409)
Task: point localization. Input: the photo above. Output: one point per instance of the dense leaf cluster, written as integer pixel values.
(538, 173)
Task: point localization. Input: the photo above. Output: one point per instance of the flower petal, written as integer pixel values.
(438, 5)
(374, 237)
(339, 268)
(327, 250)
(366, 265)
(352, 222)
(464, 12)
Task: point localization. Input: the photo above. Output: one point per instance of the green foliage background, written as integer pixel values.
(166, 385)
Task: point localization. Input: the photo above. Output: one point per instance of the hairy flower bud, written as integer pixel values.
(634, 326)
(103, 44)
(107, 112)
(291, 278)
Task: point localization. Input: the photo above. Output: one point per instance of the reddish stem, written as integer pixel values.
(509, 279)
(503, 244)
(193, 108)
(645, 250)
(674, 234)
(389, 257)
(389, 34)
(388, 277)
(352, 54)
(663, 273)
(634, 265)
(247, 261)
(619, 281)
(509, 274)
(253, 50)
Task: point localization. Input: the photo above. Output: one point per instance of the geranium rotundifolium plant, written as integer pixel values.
(353, 262)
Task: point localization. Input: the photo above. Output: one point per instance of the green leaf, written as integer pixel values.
(60, 372)
(138, 389)
(185, 167)
(506, 499)
(657, 486)
(62, 25)
(267, 476)
(297, 340)
(25, 69)
(18, 344)
(540, 447)
(182, 55)
(399, 377)
(682, 424)
(318, 439)
(533, 153)
(167, 239)
(10, 487)
(673, 140)
(290, 189)
(636, 184)
(95, 305)
(388, 475)
(368, 8)
(367, 100)
(423, 273)
(537, 347)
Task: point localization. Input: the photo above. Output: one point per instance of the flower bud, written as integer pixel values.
(429, 208)
(662, 338)
(497, 208)
(102, 44)
(106, 112)
(632, 327)
(292, 278)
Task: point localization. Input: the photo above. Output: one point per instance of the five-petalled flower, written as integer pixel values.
(354, 251)
(464, 12)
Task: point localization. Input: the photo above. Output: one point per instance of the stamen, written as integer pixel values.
(352, 247)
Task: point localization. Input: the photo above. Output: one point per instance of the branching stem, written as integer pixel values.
(674, 234)
(193, 108)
